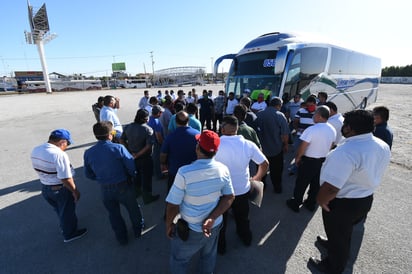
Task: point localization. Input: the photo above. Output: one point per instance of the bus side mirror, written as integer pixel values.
(281, 60)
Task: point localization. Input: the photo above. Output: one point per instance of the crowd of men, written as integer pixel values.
(209, 149)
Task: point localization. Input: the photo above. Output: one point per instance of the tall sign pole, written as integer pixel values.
(39, 35)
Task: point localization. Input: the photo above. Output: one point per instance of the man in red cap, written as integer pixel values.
(201, 192)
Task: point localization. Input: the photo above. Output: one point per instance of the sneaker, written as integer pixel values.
(76, 235)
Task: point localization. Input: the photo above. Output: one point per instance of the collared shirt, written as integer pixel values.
(248, 133)
(51, 164)
(384, 132)
(155, 124)
(197, 189)
(272, 125)
(236, 152)
(293, 108)
(230, 107)
(320, 137)
(143, 102)
(356, 166)
(108, 163)
(337, 121)
(109, 114)
(193, 123)
(137, 136)
(180, 147)
(259, 106)
(305, 120)
(219, 104)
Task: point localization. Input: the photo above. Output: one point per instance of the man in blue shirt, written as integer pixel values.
(179, 147)
(112, 166)
(201, 193)
(382, 130)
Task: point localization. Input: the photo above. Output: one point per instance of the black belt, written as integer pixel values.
(54, 187)
(318, 159)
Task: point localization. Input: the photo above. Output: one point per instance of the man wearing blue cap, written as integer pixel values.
(52, 164)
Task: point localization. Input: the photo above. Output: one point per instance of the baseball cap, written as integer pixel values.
(208, 140)
(156, 109)
(62, 133)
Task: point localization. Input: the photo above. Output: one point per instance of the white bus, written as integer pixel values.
(63, 85)
(134, 83)
(278, 63)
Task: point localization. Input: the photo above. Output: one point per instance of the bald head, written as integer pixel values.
(182, 118)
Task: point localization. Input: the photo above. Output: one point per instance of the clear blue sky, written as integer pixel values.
(92, 34)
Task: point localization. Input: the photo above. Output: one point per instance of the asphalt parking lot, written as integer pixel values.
(282, 240)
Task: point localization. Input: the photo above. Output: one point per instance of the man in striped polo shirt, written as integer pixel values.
(301, 121)
(201, 193)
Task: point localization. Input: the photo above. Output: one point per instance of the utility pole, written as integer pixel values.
(153, 74)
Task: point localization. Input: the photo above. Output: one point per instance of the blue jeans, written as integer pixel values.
(62, 202)
(182, 251)
(113, 196)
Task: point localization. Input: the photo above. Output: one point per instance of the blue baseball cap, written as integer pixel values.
(62, 133)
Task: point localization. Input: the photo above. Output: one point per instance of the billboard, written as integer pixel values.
(118, 66)
(39, 21)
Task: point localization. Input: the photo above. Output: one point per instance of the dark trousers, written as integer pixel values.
(113, 196)
(217, 117)
(338, 224)
(276, 169)
(206, 118)
(63, 204)
(240, 209)
(308, 174)
(144, 167)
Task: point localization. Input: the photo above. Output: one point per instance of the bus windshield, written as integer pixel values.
(254, 72)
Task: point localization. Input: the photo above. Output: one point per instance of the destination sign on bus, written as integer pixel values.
(269, 63)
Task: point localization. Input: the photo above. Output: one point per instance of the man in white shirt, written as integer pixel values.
(236, 152)
(260, 104)
(109, 113)
(52, 164)
(348, 178)
(336, 120)
(316, 142)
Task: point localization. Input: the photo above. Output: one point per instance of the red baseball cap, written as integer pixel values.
(208, 140)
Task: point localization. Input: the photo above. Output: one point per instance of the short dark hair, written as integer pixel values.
(179, 106)
(107, 100)
(191, 108)
(101, 130)
(332, 106)
(275, 101)
(100, 99)
(382, 112)
(323, 111)
(246, 101)
(240, 112)
(231, 120)
(153, 100)
(322, 94)
(360, 121)
(141, 116)
(311, 99)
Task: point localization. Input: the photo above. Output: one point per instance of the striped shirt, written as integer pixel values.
(305, 119)
(197, 189)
